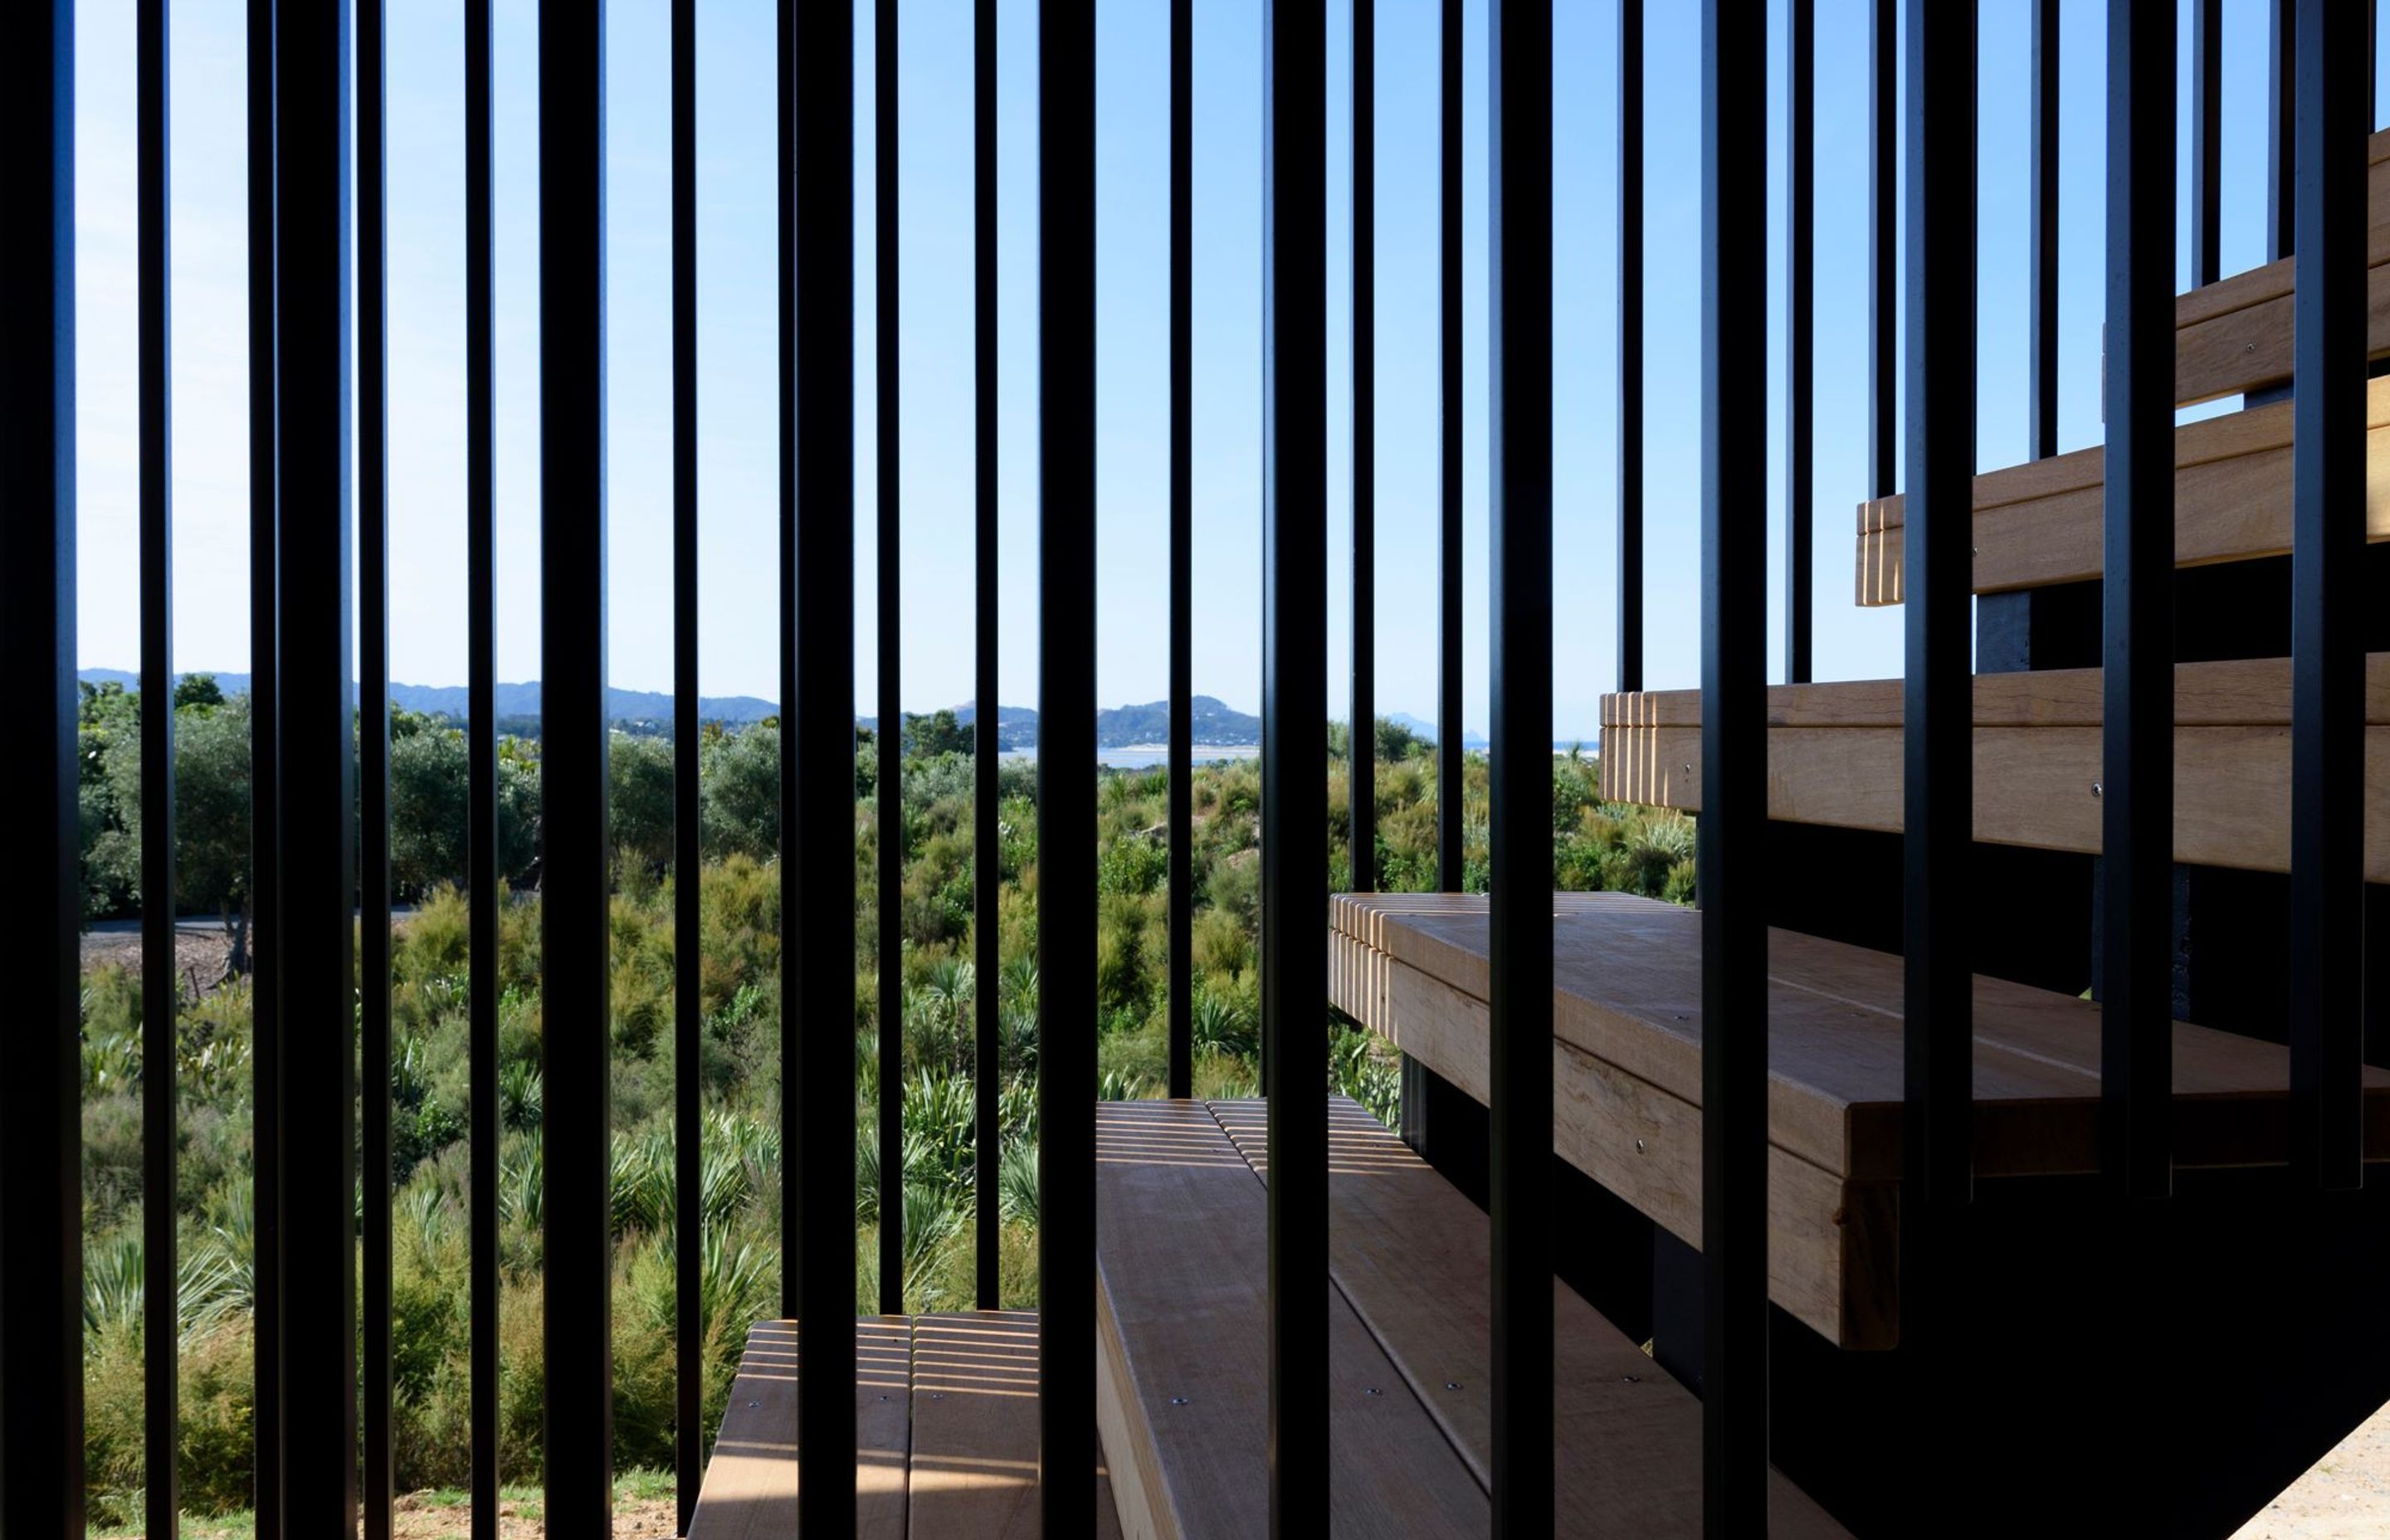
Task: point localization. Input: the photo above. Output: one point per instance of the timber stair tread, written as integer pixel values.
(1627, 1031)
(1412, 1256)
(946, 1434)
(1834, 758)
(1182, 1243)
(2234, 335)
(2041, 523)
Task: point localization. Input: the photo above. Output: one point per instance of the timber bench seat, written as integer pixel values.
(1182, 1345)
(1627, 1023)
(1834, 759)
(2040, 523)
(946, 1411)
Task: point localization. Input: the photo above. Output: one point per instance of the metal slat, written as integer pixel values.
(1294, 752)
(2207, 140)
(1630, 345)
(1937, 764)
(2042, 238)
(1883, 234)
(987, 859)
(373, 763)
(1181, 988)
(317, 1102)
(2327, 636)
(1518, 1136)
(1733, 830)
(161, 1493)
(1362, 752)
(1450, 757)
(41, 1112)
(482, 755)
(889, 810)
(817, 923)
(264, 781)
(2137, 736)
(1066, 758)
(2281, 95)
(1800, 351)
(576, 865)
(689, 1018)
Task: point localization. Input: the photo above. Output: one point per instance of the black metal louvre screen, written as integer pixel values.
(326, 1381)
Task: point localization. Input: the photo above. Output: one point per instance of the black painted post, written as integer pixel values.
(576, 875)
(317, 1109)
(2326, 565)
(1733, 830)
(1519, 965)
(41, 1096)
(1066, 759)
(2137, 652)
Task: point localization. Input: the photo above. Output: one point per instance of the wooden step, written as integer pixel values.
(946, 1434)
(1627, 1022)
(1834, 758)
(2234, 335)
(1413, 1258)
(750, 1483)
(1183, 1354)
(2040, 524)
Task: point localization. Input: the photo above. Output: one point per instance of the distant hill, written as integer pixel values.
(513, 700)
(1423, 728)
(1215, 723)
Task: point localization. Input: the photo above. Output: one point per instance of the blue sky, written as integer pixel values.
(738, 448)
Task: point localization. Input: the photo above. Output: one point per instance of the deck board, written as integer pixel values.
(1413, 1258)
(1184, 1365)
(750, 1483)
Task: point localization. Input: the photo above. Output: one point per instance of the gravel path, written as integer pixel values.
(2345, 1497)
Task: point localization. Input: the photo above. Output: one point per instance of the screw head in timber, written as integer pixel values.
(1639, 1147)
(2097, 789)
(1178, 1401)
(1452, 1384)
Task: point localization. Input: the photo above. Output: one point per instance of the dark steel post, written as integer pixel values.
(1362, 752)
(1066, 758)
(2136, 735)
(1937, 694)
(373, 761)
(317, 963)
(1451, 756)
(987, 848)
(889, 810)
(1518, 1136)
(1181, 988)
(2206, 141)
(2327, 636)
(1294, 754)
(161, 1002)
(482, 757)
(688, 1016)
(1883, 235)
(2281, 95)
(1630, 344)
(1800, 352)
(576, 875)
(2041, 337)
(818, 924)
(1733, 832)
(264, 781)
(41, 1096)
